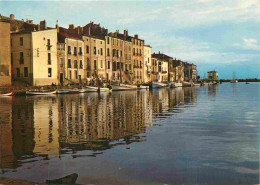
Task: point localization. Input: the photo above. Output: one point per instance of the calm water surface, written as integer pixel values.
(200, 135)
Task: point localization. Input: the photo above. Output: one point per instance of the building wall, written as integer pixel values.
(40, 52)
(19, 64)
(61, 61)
(108, 57)
(138, 60)
(5, 57)
(74, 64)
(147, 63)
(128, 66)
(163, 70)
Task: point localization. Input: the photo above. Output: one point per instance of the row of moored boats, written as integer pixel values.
(120, 87)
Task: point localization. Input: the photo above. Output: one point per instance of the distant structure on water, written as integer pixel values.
(212, 75)
(234, 78)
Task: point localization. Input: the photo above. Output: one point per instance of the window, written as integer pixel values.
(21, 58)
(87, 50)
(134, 51)
(108, 40)
(88, 64)
(140, 63)
(148, 60)
(49, 72)
(108, 64)
(114, 52)
(70, 75)
(101, 63)
(12, 58)
(80, 50)
(76, 74)
(95, 64)
(140, 52)
(80, 64)
(101, 51)
(61, 62)
(95, 50)
(11, 42)
(121, 53)
(108, 52)
(69, 49)
(18, 72)
(69, 63)
(117, 53)
(126, 67)
(26, 72)
(130, 66)
(114, 66)
(75, 51)
(49, 58)
(75, 64)
(48, 44)
(118, 65)
(21, 41)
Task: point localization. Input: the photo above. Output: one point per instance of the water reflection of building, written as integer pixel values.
(48, 125)
(6, 141)
(212, 90)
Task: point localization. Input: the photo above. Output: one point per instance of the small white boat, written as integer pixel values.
(158, 85)
(95, 89)
(8, 94)
(143, 87)
(62, 91)
(233, 81)
(121, 88)
(178, 84)
(196, 84)
(31, 92)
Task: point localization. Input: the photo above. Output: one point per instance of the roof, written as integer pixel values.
(212, 71)
(161, 56)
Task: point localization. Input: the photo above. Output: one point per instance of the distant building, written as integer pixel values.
(163, 61)
(5, 54)
(147, 63)
(212, 75)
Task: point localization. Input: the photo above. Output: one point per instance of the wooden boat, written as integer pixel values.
(12, 93)
(31, 92)
(186, 84)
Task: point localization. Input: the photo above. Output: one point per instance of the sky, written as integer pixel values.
(221, 35)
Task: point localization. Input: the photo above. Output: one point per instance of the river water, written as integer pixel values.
(197, 135)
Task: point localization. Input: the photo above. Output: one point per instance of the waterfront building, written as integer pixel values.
(5, 53)
(178, 69)
(163, 61)
(73, 68)
(154, 70)
(34, 56)
(194, 72)
(138, 59)
(147, 63)
(212, 75)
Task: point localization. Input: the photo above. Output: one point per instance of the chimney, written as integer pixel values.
(43, 25)
(126, 33)
(12, 16)
(136, 36)
(71, 26)
(30, 21)
(57, 26)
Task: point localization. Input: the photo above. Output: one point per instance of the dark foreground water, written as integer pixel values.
(200, 135)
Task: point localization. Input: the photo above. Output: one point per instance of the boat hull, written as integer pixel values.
(40, 93)
(12, 93)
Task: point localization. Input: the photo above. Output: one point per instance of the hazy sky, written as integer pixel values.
(222, 35)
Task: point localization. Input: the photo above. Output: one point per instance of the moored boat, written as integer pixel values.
(33, 92)
(95, 89)
(62, 91)
(158, 85)
(177, 84)
(121, 88)
(12, 93)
